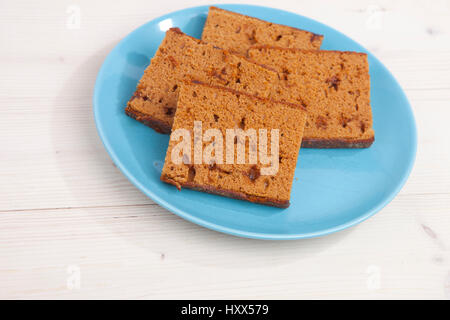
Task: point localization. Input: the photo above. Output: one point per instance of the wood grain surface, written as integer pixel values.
(72, 226)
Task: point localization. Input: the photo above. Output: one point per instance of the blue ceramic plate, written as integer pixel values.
(332, 189)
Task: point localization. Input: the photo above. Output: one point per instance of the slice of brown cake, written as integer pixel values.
(222, 111)
(237, 33)
(181, 57)
(334, 86)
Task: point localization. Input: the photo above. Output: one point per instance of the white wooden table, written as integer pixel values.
(72, 226)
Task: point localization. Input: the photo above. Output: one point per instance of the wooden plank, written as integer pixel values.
(143, 251)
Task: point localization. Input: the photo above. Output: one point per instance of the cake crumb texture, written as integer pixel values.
(222, 108)
(334, 87)
(237, 32)
(180, 58)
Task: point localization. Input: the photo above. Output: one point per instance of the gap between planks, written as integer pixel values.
(155, 204)
(81, 207)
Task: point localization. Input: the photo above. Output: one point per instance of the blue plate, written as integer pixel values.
(332, 189)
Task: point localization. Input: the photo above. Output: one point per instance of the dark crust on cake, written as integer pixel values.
(162, 127)
(337, 143)
(177, 30)
(289, 104)
(314, 36)
(229, 193)
(251, 61)
(153, 123)
(303, 50)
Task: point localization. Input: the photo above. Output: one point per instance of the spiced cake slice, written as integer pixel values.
(254, 173)
(334, 86)
(181, 57)
(237, 32)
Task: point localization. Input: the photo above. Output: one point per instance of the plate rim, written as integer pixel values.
(220, 228)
